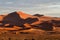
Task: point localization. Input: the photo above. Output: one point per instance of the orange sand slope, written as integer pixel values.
(13, 21)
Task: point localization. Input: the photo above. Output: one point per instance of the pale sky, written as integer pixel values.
(46, 7)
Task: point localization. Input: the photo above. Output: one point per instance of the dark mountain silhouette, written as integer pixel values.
(45, 25)
(56, 23)
(31, 20)
(15, 19)
(38, 15)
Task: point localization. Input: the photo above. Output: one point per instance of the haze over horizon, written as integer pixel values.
(45, 7)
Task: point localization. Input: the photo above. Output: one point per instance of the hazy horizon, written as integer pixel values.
(45, 7)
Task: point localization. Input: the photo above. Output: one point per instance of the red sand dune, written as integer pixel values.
(25, 16)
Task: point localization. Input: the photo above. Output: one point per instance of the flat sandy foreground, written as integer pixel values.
(31, 34)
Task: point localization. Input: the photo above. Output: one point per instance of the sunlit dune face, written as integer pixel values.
(48, 18)
(13, 28)
(1, 18)
(6, 24)
(24, 15)
(27, 25)
(35, 23)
